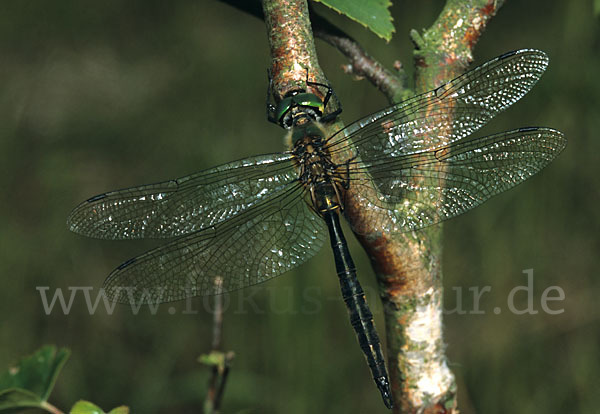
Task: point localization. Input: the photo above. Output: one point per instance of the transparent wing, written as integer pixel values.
(419, 189)
(447, 113)
(260, 243)
(185, 205)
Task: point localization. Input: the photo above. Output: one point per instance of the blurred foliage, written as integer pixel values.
(96, 96)
(30, 382)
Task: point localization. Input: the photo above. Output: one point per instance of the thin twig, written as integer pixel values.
(218, 319)
(361, 63)
(50, 408)
(220, 362)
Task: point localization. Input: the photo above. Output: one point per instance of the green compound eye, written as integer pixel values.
(303, 100)
(299, 106)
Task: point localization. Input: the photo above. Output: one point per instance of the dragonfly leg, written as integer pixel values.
(346, 180)
(328, 95)
(269, 106)
(313, 200)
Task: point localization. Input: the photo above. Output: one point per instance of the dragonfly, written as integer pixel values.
(245, 222)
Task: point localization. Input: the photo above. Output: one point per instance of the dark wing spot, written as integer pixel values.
(97, 197)
(127, 263)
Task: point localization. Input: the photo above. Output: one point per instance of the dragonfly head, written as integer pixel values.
(297, 108)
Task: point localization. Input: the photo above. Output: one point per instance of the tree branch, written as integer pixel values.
(408, 265)
(361, 64)
(293, 53)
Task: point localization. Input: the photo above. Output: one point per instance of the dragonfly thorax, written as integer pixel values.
(317, 172)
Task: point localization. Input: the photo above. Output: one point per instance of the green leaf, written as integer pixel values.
(30, 382)
(120, 410)
(373, 14)
(13, 398)
(86, 407)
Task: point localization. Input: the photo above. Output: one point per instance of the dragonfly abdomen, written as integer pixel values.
(361, 317)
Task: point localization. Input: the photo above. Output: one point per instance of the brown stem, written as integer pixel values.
(218, 379)
(293, 53)
(50, 408)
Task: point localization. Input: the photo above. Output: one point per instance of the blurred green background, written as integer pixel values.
(96, 96)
